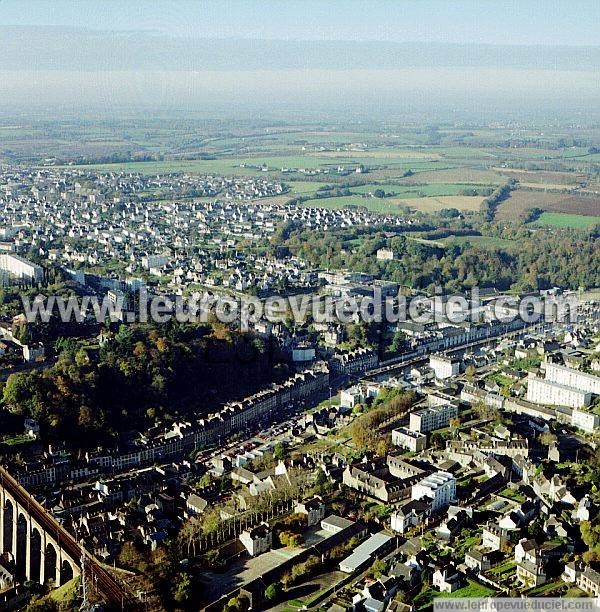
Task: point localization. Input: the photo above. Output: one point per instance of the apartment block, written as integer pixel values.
(572, 378)
(409, 439)
(20, 267)
(540, 391)
(435, 417)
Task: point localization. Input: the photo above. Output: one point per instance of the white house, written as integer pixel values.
(446, 579)
(257, 540)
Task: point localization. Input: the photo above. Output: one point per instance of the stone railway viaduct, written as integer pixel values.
(43, 550)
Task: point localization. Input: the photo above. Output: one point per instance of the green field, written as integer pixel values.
(415, 191)
(485, 242)
(198, 166)
(397, 160)
(567, 220)
(376, 205)
(303, 187)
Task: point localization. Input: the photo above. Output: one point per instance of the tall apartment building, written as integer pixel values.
(540, 391)
(572, 378)
(20, 267)
(565, 386)
(588, 421)
(434, 417)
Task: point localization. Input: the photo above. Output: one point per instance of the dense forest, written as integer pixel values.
(139, 375)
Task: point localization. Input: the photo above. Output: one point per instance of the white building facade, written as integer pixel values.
(432, 418)
(540, 391)
(439, 487)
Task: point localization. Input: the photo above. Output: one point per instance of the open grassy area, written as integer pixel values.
(416, 191)
(67, 592)
(472, 589)
(376, 205)
(303, 187)
(503, 568)
(434, 204)
(484, 242)
(251, 164)
(512, 494)
(567, 220)
(546, 589)
(395, 204)
(424, 599)
(16, 440)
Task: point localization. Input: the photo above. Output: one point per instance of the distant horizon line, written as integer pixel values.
(160, 33)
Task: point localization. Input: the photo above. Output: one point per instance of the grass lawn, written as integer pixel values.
(463, 545)
(437, 203)
(17, 440)
(472, 589)
(512, 494)
(501, 379)
(424, 599)
(504, 568)
(546, 588)
(566, 220)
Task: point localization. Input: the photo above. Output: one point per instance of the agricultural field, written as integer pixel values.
(514, 207)
(376, 205)
(399, 204)
(542, 179)
(417, 190)
(198, 166)
(248, 165)
(484, 242)
(465, 175)
(426, 170)
(566, 220)
(435, 204)
(299, 188)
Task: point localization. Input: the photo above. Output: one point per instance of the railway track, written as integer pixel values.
(422, 355)
(106, 586)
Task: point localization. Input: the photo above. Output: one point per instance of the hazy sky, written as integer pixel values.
(547, 22)
(371, 54)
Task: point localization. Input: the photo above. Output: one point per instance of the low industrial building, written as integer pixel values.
(364, 554)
